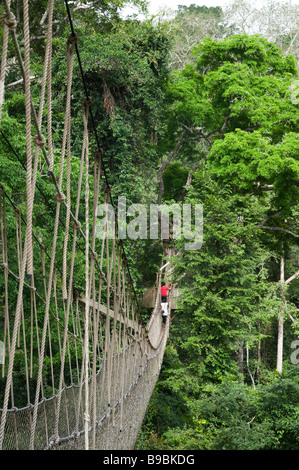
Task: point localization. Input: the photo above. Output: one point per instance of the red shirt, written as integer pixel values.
(164, 290)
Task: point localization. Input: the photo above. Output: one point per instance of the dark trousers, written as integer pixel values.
(163, 299)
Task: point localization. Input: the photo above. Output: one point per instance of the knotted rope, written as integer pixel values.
(9, 23)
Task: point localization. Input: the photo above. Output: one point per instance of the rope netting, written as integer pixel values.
(78, 365)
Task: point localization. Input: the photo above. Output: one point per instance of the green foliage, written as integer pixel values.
(260, 55)
(225, 286)
(237, 92)
(124, 71)
(232, 416)
(174, 179)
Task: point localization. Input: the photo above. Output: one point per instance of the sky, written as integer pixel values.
(155, 5)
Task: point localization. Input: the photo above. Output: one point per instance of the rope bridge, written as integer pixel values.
(78, 364)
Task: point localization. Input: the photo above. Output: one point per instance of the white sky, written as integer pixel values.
(155, 5)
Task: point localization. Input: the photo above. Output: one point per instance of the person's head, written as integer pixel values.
(163, 283)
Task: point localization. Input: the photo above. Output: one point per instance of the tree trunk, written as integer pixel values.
(259, 359)
(240, 359)
(248, 368)
(280, 320)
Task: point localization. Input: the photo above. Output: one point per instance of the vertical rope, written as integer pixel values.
(76, 340)
(107, 329)
(59, 199)
(9, 23)
(124, 346)
(119, 292)
(50, 354)
(70, 59)
(13, 344)
(29, 188)
(5, 268)
(49, 84)
(3, 63)
(96, 177)
(115, 319)
(76, 228)
(87, 309)
(34, 314)
(28, 236)
(19, 256)
(69, 297)
(102, 403)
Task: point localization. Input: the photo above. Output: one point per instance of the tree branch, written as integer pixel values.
(291, 43)
(225, 123)
(166, 163)
(18, 82)
(280, 229)
(292, 277)
(44, 17)
(292, 318)
(189, 177)
(196, 134)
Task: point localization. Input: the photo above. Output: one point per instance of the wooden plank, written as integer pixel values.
(103, 309)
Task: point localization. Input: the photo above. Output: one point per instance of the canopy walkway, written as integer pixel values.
(78, 364)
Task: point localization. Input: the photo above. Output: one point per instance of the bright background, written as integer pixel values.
(155, 5)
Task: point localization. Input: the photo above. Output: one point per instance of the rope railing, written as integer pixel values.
(141, 342)
(75, 374)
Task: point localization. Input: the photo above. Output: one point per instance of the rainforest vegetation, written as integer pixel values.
(193, 106)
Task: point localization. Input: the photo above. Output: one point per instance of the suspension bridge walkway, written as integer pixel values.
(78, 364)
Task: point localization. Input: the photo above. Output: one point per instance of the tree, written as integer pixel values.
(277, 21)
(190, 26)
(225, 283)
(238, 97)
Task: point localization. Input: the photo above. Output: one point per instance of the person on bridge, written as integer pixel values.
(164, 307)
(164, 290)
